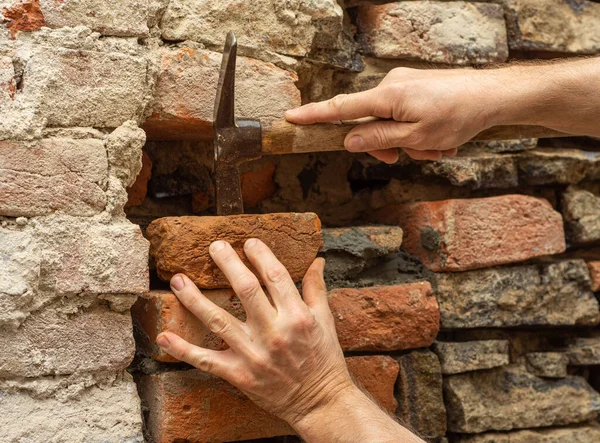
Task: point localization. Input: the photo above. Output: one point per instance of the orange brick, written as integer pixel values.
(180, 244)
(136, 193)
(594, 267)
(258, 185)
(23, 16)
(463, 234)
(195, 406)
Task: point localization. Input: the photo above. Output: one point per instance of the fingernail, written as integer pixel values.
(177, 283)
(250, 243)
(356, 144)
(162, 341)
(217, 246)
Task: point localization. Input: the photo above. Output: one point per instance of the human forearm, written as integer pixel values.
(564, 96)
(351, 416)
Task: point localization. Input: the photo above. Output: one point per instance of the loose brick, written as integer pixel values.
(292, 28)
(594, 268)
(193, 405)
(553, 25)
(546, 294)
(385, 318)
(90, 408)
(457, 357)
(509, 397)
(122, 18)
(587, 433)
(187, 85)
(180, 244)
(137, 192)
(258, 185)
(86, 88)
(419, 394)
(161, 311)
(443, 32)
(53, 174)
(458, 235)
(68, 337)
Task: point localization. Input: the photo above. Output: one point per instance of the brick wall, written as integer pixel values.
(463, 290)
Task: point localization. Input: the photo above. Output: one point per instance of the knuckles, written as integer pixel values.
(337, 103)
(247, 286)
(217, 323)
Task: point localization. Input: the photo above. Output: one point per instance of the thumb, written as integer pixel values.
(377, 136)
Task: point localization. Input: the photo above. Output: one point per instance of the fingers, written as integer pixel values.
(215, 362)
(381, 135)
(341, 107)
(216, 319)
(243, 281)
(274, 275)
(423, 155)
(388, 156)
(314, 290)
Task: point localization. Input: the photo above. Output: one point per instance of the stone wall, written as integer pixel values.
(463, 290)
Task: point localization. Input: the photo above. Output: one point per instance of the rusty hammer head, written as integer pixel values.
(235, 140)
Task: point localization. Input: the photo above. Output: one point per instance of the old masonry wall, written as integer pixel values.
(463, 290)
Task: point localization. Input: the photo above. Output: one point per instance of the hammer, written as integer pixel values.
(238, 140)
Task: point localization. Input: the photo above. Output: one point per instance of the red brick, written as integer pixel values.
(137, 192)
(195, 406)
(463, 234)
(258, 185)
(186, 88)
(385, 318)
(23, 16)
(201, 201)
(594, 267)
(180, 244)
(161, 311)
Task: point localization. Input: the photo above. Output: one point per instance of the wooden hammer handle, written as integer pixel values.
(282, 137)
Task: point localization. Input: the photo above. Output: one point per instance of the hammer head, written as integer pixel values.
(235, 140)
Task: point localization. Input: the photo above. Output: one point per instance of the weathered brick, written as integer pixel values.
(64, 409)
(120, 18)
(187, 84)
(136, 193)
(553, 25)
(444, 32)
(193, 405)
(562, 165)
(594, 268)
(547, 364)
(581, 211)
(53, 174)
(68, 337)
(509, 397)
(419, 393)
(458, 235)
(293, 28)
(86, 88)
(457, 357)
(546, 294)
(180, 244)
(258, 185)
(22, 15)
(587, 433)
(385, 318)
(583, 351)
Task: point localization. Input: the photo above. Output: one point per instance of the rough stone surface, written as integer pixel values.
(545, 294)
(385, 318)
(594, 268)
(457, 357)
(161, 311)
(187, 85)
(419, 393)
(292, 28)
(463, 234)
(553, 25)
(443, 32)
(583, 351)
(588, 433)
(547, 364)
(180, 244)
(68, 337)
(581, 210)
(193, 405)
(121, 18)
(53, 174)
(509, 397)
(60, 409)
(562, 165)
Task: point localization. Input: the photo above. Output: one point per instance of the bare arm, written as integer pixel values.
(286, 356)
(435, 111)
